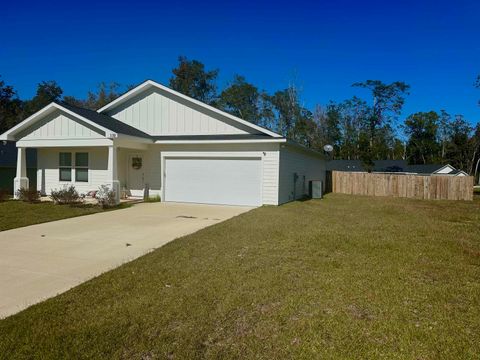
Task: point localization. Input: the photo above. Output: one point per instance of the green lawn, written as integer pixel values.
(344, 277)
(14, 214)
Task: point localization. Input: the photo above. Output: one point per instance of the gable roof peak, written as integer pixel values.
(148, 84)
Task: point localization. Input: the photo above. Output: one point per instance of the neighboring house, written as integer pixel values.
(395, 166)
(179, 148)
(8, 164)
(436, 170)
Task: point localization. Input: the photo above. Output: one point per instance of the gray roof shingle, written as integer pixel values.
(383, 166)
(106, 121)
(122, 128)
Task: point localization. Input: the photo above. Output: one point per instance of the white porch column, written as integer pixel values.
(21, 180)
(112, 172)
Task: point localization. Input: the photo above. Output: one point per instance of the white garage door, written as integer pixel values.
(230, 181)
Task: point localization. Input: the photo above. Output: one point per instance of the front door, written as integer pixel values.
(136, 174)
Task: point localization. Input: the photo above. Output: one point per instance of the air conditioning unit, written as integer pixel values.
(315, 188)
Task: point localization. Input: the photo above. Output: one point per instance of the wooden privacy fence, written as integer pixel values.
(410, 186)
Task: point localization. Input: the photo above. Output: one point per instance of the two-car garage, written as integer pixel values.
(214, 180)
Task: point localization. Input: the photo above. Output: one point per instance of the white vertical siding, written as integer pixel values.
(59, 125)
(278, 167)
(151, 167)
(48, 171)
(307, 166)
(158, 113)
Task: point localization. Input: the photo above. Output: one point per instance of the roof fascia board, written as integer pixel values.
(78, 142)
(135, 138)
(268, 141)
(8, 135)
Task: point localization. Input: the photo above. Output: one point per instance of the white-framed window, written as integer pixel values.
(80, 165)
(65, 166)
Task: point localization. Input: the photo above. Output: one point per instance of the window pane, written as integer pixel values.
(81, 159)
(65, 159)
(65, 174)
(81, 175)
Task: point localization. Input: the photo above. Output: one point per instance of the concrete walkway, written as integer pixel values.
(41, 261)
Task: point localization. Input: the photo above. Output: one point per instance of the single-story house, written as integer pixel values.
(433, 169)
(395, 166)
(8, 165)
(157, 138)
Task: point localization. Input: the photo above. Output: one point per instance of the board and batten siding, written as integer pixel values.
(160, 113)
(60, 125)
(307, 166)
(268, 153)
(48, 170)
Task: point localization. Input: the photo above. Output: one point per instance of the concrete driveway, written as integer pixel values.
(41, 261)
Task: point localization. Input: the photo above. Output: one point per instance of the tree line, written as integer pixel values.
(365, 129)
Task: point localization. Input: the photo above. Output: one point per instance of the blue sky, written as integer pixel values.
(324, 45)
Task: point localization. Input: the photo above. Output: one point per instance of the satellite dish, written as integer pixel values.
(328, 148)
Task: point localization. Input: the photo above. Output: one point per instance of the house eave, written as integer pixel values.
(304, 149)
(239, 141)
(66, 142)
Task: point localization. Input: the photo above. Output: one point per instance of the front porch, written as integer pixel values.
(83, 148)
(125, 170)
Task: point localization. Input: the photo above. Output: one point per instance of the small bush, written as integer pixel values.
(105, 196)
(4, 195)
(67, 195)
(28, 195)
(155, 198)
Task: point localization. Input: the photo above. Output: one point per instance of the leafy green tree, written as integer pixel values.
(105, 94)
(327, 127)
(399, 150)
(191, 78)
(354, 114)
(384, 143)
(422, 131)
(242, 99)
(291, 119)
(286, 109)
(10, 107)
(267, 112)
(47, 91)
(459, 148)
(444, 132)
(365, 152)
(475, 162)
(388, 100)
(305, 128)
